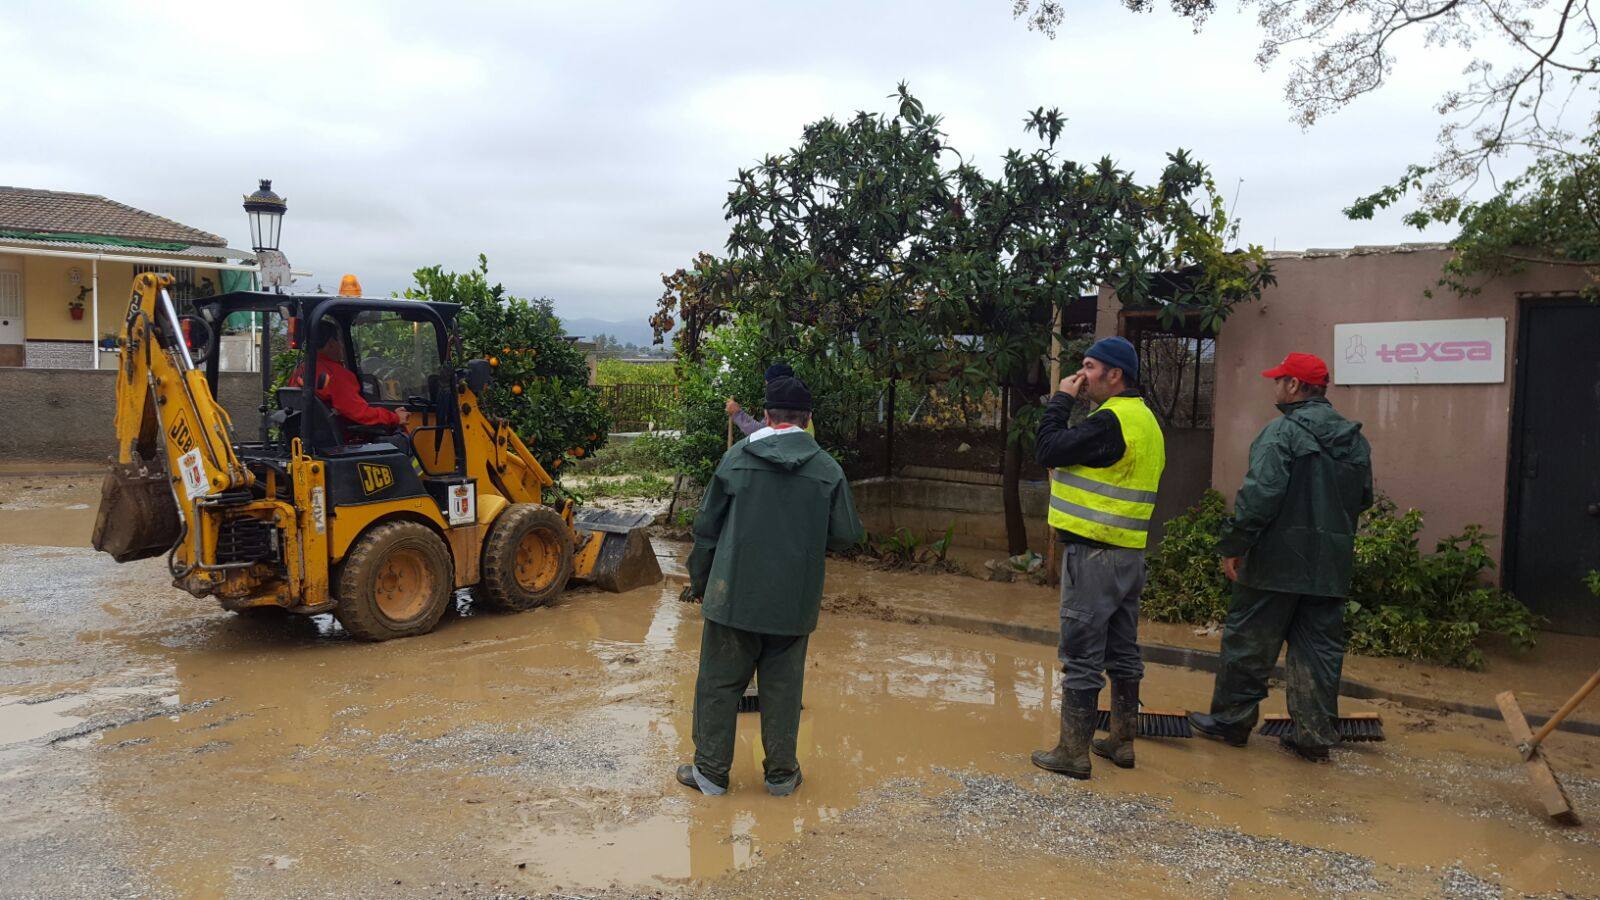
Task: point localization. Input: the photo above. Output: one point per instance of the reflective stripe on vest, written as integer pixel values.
(1113, 505)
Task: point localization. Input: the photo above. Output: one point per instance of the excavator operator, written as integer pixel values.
(338, 387)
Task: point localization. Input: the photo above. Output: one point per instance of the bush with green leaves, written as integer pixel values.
(1185, 581)
(617, 371)
(732, 359)
(1434, 607)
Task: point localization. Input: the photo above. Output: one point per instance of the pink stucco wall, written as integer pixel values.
(1440, 448)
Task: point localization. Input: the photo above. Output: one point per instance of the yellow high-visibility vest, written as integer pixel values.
(1113, 505)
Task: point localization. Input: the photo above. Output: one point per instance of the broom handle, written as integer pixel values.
(1561, 714)
(730, 432)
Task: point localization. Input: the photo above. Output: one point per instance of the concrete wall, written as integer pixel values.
(929, 506)
(928, 501)
(53, 415)
(1438, 447)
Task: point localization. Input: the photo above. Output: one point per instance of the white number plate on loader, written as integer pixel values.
(194, 474)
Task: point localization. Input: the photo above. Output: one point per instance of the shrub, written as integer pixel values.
(615, 371)
(1433, 607)
(1185, 582)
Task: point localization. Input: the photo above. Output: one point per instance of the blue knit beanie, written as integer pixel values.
(1117, 352)
(778, 370)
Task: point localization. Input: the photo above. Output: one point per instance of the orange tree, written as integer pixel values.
(541, 382)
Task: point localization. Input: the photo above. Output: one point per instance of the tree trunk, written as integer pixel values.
(888, 447)
(1011, 477)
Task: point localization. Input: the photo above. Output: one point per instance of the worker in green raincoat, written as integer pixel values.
(1289, 550)
(776, 505)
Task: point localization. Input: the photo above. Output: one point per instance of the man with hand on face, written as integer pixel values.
(1103, 483)
(1289, 550)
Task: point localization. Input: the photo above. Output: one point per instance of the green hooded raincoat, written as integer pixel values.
(1294, 519)
(772, 511)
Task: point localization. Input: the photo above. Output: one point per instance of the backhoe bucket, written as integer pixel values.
(626, 560)
(138, 517)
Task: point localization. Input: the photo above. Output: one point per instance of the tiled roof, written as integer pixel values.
(29, 209)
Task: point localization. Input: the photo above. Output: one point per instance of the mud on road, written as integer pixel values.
(152, 745)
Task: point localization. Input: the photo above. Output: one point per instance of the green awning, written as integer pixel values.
(90, 239)
(235, 280)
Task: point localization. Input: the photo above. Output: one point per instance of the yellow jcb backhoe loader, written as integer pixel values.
(318, 514)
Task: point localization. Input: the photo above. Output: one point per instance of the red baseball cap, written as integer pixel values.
(1303, 366)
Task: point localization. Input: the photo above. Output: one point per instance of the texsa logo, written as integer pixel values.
(1438, 351)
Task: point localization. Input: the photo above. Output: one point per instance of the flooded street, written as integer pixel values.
(153, 745)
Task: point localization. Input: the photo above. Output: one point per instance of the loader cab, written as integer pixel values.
(399, 354)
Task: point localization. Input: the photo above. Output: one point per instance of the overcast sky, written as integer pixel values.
(587, 147)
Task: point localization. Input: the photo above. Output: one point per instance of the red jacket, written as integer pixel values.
(337, 386)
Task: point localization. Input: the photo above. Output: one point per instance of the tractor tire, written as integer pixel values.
(396, 582)
(527, 558)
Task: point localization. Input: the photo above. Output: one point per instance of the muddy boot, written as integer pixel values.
(689, 776)
(1118, 744)
(1211, 728)
(1305, 752)
(1071, 756)
(786, 786)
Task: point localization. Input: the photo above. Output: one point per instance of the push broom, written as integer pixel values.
(1355, 727)
(1530, 745)
(1153, 723)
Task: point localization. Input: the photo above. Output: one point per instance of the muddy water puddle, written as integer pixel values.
(534, 752)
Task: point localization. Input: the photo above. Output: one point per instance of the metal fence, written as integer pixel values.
(1178, 374)
(639, 407)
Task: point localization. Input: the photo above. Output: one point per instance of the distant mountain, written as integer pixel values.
(635, 332)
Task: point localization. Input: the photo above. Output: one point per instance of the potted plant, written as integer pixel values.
(75, 305)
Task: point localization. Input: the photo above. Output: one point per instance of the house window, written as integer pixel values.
(188, 286)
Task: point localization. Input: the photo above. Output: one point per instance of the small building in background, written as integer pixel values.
(1483, 409)
(66, 263)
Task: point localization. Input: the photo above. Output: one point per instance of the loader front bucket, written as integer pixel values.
(138, 517)
(625, 560)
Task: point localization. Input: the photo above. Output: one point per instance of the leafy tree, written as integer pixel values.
(873, 241)
(1343, 51)
(1549, 215)
(1050, 230)
(541, 383)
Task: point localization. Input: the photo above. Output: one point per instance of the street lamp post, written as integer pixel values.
(265, 210)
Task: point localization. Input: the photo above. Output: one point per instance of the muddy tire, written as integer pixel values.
(396, 582)
(527, 559)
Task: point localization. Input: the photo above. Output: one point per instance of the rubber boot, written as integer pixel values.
(1211, 728)
(1071, 755)
(1118, 744)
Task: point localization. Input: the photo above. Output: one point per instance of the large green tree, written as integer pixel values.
(1050, 230)
(875, 240)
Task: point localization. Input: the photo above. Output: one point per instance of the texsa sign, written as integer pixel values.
(1440, 351)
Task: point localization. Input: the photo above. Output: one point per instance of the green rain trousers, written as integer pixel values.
(1258, 624)
(728, 657)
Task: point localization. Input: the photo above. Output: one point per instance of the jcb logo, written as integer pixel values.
(375, 478)
(181, 436)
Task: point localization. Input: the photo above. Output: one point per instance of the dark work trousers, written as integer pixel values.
(1100, 590)
(1258, 624)
(728, 657)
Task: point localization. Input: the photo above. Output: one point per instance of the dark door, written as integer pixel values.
(1555, 515)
